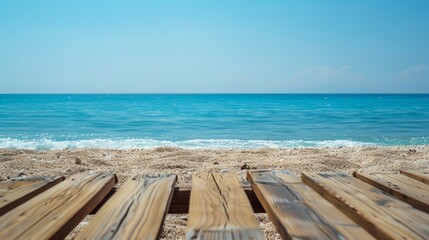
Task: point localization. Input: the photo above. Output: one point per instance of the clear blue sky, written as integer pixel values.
(214, 46)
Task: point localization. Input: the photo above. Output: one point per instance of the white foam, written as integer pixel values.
(12, 143)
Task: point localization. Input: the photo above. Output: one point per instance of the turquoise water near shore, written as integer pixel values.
(213, 121)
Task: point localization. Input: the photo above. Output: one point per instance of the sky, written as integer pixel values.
(286, 46)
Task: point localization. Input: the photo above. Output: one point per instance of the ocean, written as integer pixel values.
(123, 121)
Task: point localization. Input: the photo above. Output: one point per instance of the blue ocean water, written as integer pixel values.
(212, 121)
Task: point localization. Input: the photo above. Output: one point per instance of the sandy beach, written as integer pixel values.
(184, 162)
(124, 88)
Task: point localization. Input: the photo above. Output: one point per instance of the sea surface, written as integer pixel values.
(212, 121)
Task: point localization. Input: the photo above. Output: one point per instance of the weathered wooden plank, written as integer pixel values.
(53, 214)
(407, 189)
(219, 209)
(181, 196)
(384, 216)
(16, 191)
(297, 211)
(421, 175)
(136, 211)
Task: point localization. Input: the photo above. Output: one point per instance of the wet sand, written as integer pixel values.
(184, 162)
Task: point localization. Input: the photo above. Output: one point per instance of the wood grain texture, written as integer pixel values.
(297, 211)
(219, 209)
(421, 175)
(53, 214)
(384, 216)
(16, 191)
(407, 189)
(136, 211)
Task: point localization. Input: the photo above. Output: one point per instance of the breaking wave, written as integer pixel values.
(41, 144)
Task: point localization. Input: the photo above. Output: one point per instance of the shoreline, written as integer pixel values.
(184, 162)
(46, 143)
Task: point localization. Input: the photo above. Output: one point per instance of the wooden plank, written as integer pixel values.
(53, 214)
(384, 216)
(181, 196)
(297, 211)
(421, 175)
(136, 211)
(219, 209)
(407, 189)
(16, 191)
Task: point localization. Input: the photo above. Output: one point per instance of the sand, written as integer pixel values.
(184, 162)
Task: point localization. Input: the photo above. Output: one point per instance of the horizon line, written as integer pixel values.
(202, 93)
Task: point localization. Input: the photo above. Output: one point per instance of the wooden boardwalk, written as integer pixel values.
(365, 205)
